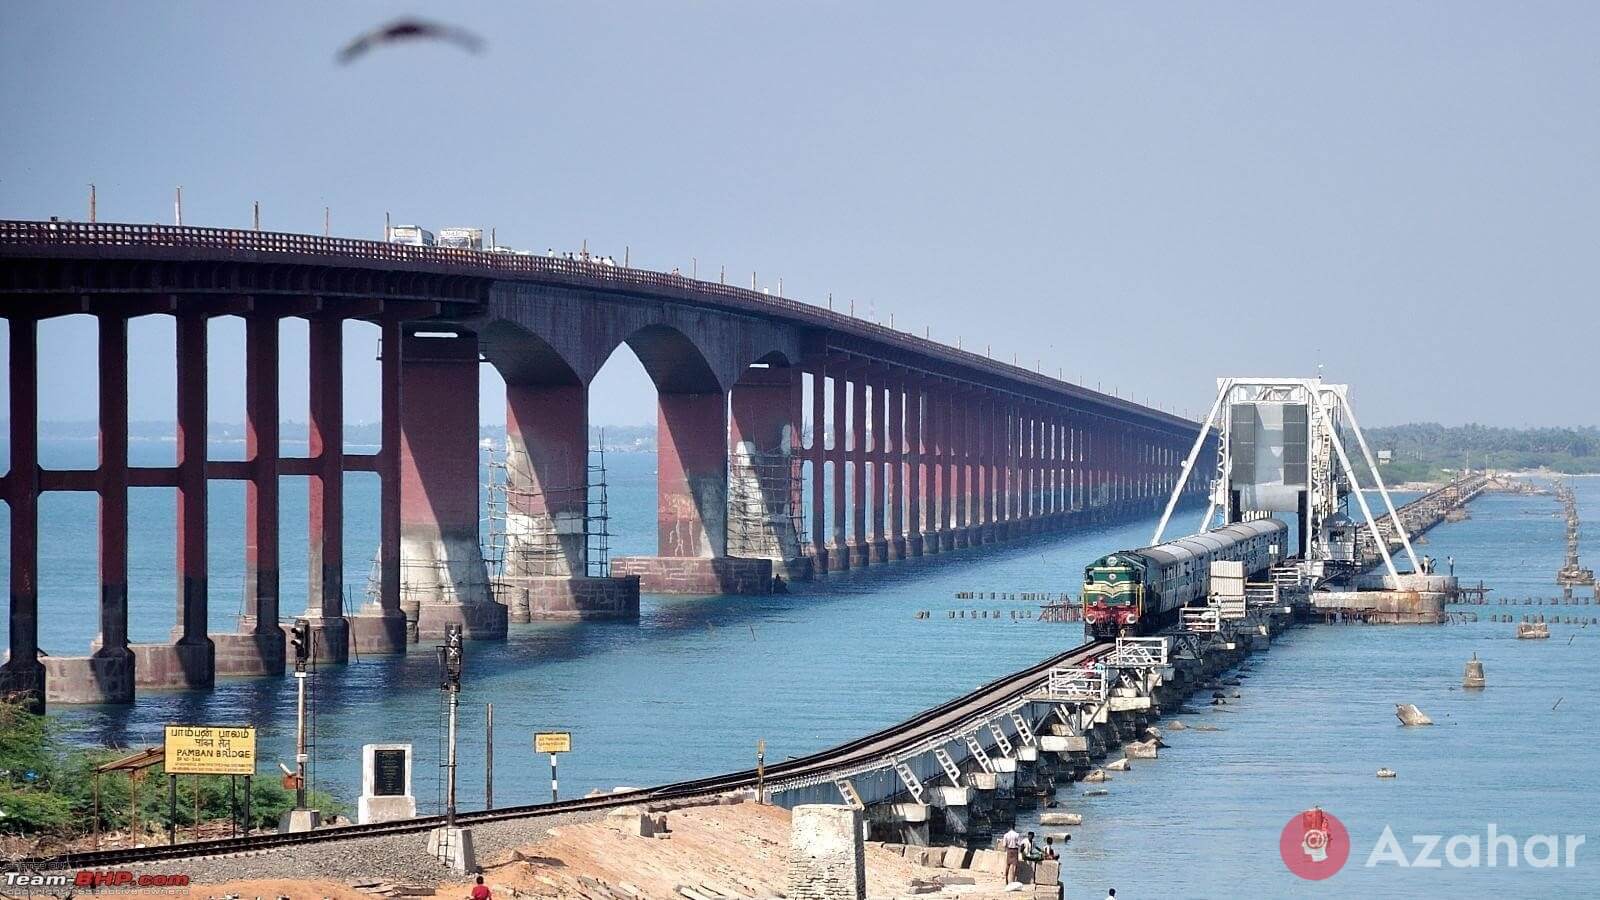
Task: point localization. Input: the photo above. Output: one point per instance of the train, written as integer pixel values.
(1134, 592)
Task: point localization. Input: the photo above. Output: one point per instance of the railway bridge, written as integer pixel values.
(792, 440)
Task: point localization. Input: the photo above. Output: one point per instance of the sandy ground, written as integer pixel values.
(738, 850)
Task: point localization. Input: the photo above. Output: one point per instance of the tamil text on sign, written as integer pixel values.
(210, 750)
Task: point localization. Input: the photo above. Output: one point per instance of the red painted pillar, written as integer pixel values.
(839, 553)
(442, 568)
(261, 599)
(895, 458)
(113, 640)
(547, 489)
(965, 439)
(325, 583)
(819, 466)
(382, 626)
(22, 673)
(878, 454)
(952, 468)
(915, 472)
(196, 658)
(984, 514)
(692, 476)
(763, 440)
(934, 529)
(860, 543)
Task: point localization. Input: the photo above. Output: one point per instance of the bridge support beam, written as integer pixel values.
(692, 506)
(765, 518)
(894, 466)
(875, 451)
(915, 473)
(191, 660)
(820, 555)
(258, 648)
(381, 626)
(546, 566)
(330, 633)
(443, 578)
(23, 674)
(839, 548)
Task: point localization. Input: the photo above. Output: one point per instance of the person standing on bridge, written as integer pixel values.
(1012, 842)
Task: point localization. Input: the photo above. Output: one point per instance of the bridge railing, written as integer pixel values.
(109, 234)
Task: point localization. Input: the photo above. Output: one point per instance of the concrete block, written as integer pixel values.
(453, 847)
(1064, 743)
(294, 821)
(827, 860)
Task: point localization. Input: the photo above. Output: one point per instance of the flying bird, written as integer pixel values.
(407, 30)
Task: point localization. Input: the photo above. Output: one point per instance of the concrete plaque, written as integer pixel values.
(385, 784)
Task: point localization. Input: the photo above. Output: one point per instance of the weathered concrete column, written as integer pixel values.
(983, 524)
(894, 462)
(692, 475)
(860, 542)
(839, 550)
(876, 452)
(191, 660)
(964, 438)
(442, 570)
(950, 442)
(915, 463)
(827, 858)
(935, 480)
(23, 674)
(819, 466)
(382, 626)
(112, 663)
(764, 444)
(692, 506)
(546, 572)
(330, 634)
(261, 634)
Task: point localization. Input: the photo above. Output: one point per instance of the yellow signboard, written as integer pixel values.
(210, 750)
(552, 742)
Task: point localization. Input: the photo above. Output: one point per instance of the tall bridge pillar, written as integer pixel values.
(692, 505)
(443, 578)
(382, 626)
(22, 672)
(765, 515)
(546, 567)
(259, 647)
(915, 476)
(820, 554)
(325, 527)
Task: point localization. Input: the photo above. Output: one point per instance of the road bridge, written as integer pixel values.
(885, 445)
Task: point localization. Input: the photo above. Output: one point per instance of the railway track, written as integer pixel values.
(875, 746)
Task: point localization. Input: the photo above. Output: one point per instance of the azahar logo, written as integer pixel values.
(1314, 845)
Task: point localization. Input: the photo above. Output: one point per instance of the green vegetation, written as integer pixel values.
(47, 787)
(1429, 452)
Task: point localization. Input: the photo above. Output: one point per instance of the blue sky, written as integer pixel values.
(1143, 195)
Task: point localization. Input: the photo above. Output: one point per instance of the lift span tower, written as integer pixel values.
(1282, 452)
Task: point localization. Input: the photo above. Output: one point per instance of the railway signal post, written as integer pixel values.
(450, 843)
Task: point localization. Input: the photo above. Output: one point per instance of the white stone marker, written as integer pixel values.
(386, 784)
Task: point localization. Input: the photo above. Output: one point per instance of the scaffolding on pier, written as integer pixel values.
(542, 544)
(766, 504)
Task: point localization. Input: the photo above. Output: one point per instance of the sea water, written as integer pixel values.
(692, 687)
